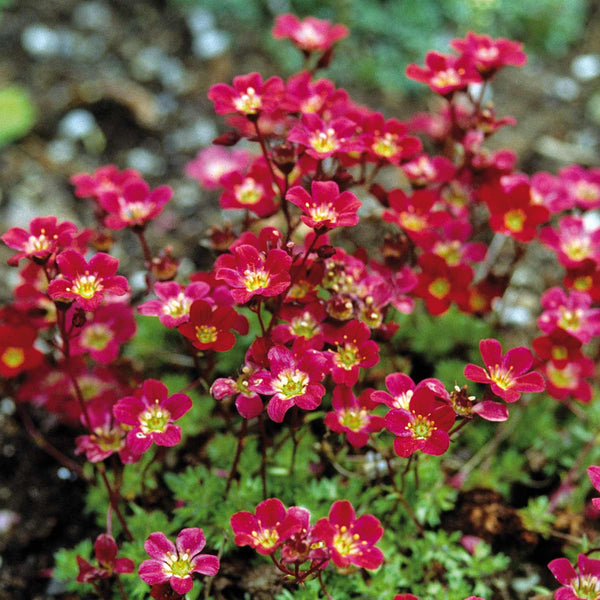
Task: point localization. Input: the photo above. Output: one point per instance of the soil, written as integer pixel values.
(130, 66)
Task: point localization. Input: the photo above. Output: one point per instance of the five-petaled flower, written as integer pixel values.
(580, 584)
(150, 414)
(84, 282)
(209, 328)
(350, 540)
(325, 208)
(308, 34)
(176, 563)
(508, 375)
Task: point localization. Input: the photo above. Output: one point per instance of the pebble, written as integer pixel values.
(40, 41)
(566, 88)
(145, 162)
(211, 43)
(77, 124)
(586, 67)
(92, 15)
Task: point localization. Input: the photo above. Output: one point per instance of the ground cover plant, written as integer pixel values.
(325, 411)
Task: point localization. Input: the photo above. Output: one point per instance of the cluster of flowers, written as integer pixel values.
(324, 314)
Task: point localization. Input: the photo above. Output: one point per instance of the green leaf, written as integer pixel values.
(17, 113)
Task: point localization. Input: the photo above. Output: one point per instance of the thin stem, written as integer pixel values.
(400, 494)
(236, 458)
(120, 587)
(114, 501)
(39, 440)
(323, 587)
(263, 462)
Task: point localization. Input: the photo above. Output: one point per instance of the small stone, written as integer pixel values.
(211, 43)
(40, 40)
(145, 162)
(77, 124)
(586, 66)
(199, 20)
(566, 88)
(92, 15)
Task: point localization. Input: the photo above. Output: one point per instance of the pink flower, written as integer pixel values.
(46, 236)
(593, 472)
(173, 306)
(573, 242)
(105, 549)
(104, 179)
(387, 141)
(507, 375)
(323, 139)
(582, 585)
(248, 96)
(325, 208)
(150, 413)
(250, 273)
(444, 74)
(350, 540)
(490, 55)
(134, 204)
(176, 563)
(308, 34)
(351, 415)
(86, 282)
(102, 336)
(268, 527)
(291, 380)
(568, 380)
(423, 426)
(212, 163)
(17, 353)
(582, 186)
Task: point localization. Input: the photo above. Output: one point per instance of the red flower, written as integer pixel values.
(582, 585)
(104, 179)
(594, 474)
(387, 141)
(445, 74)
(150, 413)
(573, 241)
(212, 163)
(105, 549)
(512, 210)
(250, 273)
(17, 353)
(423, 426)
(559, 347)
(310, 34)
(441, 284)
(351, 415)
(46, 236)
(350, 540)
(568, 381)
(291, 380)
(248, 96)
(84, 282)
(268, 527)
(176, 563)
(325, 208)
(208, 327)
(507, 375)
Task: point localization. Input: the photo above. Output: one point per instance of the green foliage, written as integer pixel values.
(17, 113)
(536, 516)
(65, 564)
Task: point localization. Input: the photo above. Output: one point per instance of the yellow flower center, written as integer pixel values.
(249, 103)
(325, 141)
(13, 357)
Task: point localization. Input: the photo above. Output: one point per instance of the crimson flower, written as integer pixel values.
(351, 415)
(45, 237)
(105, 549)
(573, 241)
(150, 412)
(107, 178)
(269, 526)
(134, 204)
(401, 388)
(559, 347)
(423, 426)
(208, 327)
(353, 349)
(568, 380)
(350, 540)
(325, 208)
(387, 141)
(582, 186)
(211, 164)
(248, 96)
(17, 353)
(291, 380)
(445, 73)
(593, 472)
(512, 211)
(308, 34)
(580, 584)
(507, 375)
(250, 273)
(86, 282)
(176, 563)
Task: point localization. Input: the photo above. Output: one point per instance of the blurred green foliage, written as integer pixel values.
(387, 35)
(17, 112)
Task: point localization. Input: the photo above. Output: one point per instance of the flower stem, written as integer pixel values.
(238, 453)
